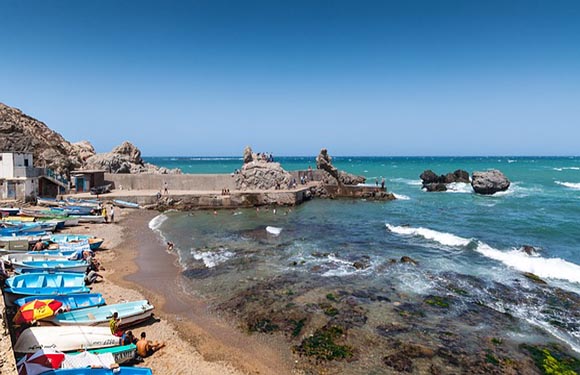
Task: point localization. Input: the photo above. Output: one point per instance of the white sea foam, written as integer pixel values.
(567, 168)
(459, 187)
(443, 238)
(552, 268)
(212, 258)
(511, 161)
(570, 185)
(407, 181)
(401, 197)
(156, 222)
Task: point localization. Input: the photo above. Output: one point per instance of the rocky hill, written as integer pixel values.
(22, 133)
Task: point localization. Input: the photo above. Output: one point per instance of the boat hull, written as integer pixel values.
(130, 313)
(70, 302)
(64, 339)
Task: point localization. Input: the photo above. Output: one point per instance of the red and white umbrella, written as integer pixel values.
(39, 362)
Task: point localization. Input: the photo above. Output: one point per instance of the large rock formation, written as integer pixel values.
(333, 175)
(259, 174)
(22, 133)
(125, 158)
(489, 182)
(434, 182)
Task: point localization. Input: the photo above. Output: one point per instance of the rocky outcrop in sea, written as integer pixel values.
(489, 182)
(434, 182)
(258, 173)
(125, 158)
(333, 175)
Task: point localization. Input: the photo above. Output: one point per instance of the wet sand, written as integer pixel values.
(141, 263)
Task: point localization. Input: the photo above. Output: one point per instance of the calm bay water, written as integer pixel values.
(451, 233)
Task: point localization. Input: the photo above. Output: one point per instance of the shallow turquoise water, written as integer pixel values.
(455, 231)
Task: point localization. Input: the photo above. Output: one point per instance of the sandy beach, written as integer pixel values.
(137, 265)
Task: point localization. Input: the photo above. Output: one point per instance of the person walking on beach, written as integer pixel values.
(112, 214)
(104, 213)
(165, 191)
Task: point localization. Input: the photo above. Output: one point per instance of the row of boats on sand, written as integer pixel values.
(61, 327)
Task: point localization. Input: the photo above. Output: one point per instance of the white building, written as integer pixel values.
(19, 179)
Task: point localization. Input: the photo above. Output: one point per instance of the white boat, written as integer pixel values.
(125, 204)
(71, 221)
(129, 313)
(94, 219)
(74, 266)
(65, 339)
(19, 257)
(273, 230)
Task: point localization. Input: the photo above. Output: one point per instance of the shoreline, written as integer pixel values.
(139, 262)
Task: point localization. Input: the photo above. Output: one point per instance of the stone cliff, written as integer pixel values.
(22, 133)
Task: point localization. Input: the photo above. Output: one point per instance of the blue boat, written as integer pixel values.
(94, 242)
(69, 302)
(77, 266)
(130, 313)
(36, 284)
(101, 371)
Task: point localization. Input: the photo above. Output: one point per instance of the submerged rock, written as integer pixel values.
(489, 182)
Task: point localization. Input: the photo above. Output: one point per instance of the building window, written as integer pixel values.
(26, 162)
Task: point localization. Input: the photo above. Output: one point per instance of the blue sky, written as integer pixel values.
(289, 77)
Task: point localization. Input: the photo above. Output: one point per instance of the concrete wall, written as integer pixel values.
(193, 182)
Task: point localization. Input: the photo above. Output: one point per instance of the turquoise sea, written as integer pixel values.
(458, 237)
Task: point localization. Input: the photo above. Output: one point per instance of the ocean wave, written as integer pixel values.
(511, 161)
(443, 238)
(406, 181)
(402, 197)
(212, 258)
(570, 185)
(567, 169)
(551, 268)
(157, 221)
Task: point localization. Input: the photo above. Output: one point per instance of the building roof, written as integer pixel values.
(88, 171)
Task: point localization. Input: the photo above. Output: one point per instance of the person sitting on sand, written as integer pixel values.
(114, 324)
(129, 339)
(145, 347)
(170, 245)
(91, 276)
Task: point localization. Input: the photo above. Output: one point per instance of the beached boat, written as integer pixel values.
(14, 246)
(125, 204)
(94, 242)
(64, 339)
(101, 371)
(129, 313)
(92, 219)
(11, 211)
(49, 202)
(75, 266)
(121, 354)
(50, 212)
(92, 203)
(30, 257)
(69, 302)
(35, 284)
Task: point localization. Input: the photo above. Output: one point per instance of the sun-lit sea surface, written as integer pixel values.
(456, 231)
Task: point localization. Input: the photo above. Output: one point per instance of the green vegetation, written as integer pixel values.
(331, 297)
(437, 301)
(496, 341)
(263, 325)
(322, 346)
(298, 325)
(328, 309)
(491, 358)
(553, 362)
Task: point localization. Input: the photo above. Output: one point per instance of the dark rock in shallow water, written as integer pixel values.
(489, 182)
(433, 182)
(535, 278)
(406, 259)
(435, 187)
(530, 250)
